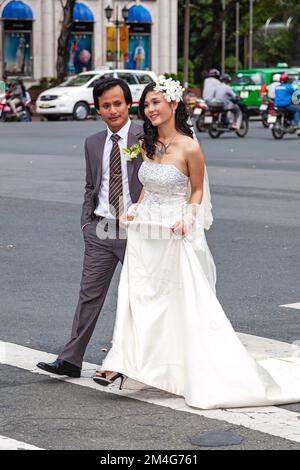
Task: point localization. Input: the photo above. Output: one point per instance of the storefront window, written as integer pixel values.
(80, 53)
(17, 50)
(139, 52)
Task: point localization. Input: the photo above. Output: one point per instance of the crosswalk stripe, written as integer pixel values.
(296, 306)
(11, 444)
(271, 420)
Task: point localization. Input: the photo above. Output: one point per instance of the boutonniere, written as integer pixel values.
(132, 152)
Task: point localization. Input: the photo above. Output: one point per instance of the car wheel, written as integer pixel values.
(81, 111)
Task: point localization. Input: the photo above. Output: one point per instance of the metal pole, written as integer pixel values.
(237, 37)
(186, 40)
(117, 37)
(251, 34)
(223, 36)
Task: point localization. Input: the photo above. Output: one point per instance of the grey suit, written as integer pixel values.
(101, 255)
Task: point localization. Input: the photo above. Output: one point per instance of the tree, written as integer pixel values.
(62, 44)
(205, 31)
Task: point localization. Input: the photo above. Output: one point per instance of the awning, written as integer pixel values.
(139, 14)
(17, 10)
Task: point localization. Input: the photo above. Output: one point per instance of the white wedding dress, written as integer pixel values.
(171, 332)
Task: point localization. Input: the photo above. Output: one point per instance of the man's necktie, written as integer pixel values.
(115, 179)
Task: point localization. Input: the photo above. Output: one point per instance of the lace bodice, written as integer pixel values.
(163, 183)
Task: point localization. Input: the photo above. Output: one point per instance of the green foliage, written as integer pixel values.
(273, 49)
(206, 37)
(179, 75)
(230, 64)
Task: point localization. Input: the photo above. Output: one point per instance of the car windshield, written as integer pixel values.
(248, 79)
(79, 80)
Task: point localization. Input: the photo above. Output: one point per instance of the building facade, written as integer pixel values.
(29, 30)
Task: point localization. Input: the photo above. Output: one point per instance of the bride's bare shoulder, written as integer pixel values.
(189, 145)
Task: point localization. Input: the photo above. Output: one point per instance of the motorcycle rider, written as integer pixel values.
(225, 93)
(273, 85)
(211, 83)
(283, 99)
(15, 96)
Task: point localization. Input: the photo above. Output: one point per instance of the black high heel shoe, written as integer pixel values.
(105, 379)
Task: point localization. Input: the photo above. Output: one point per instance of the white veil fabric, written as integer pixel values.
(206, 198)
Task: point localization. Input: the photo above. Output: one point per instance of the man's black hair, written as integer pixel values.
(105, 84)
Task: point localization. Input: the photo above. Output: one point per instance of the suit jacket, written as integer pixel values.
(94, 147)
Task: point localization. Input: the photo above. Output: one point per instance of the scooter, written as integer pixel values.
(199, 115)
(221, 120)
(264, 109)
(23, 109)
(281, 122)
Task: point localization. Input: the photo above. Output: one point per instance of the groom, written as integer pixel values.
(111, 187)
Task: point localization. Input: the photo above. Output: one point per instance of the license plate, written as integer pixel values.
(208, 119)
(244, 94)
(197, 111)
(263, 107)
(45, 105)
(272, 119)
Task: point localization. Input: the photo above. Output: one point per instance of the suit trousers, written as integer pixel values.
(101, 257)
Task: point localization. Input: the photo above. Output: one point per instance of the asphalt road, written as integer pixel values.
(255, 185)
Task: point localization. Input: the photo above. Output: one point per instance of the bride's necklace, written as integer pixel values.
(161, 150)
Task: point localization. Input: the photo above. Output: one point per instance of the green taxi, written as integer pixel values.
(251, 84)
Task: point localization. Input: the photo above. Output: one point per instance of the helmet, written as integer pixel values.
(214, 73)
(284, 78)
(276, 77)
(225, 77)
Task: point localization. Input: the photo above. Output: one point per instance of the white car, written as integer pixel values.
(74, 97)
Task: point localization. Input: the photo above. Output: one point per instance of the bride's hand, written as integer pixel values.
(126, 218)
(180, 227)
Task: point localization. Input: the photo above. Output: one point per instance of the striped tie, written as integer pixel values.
(115, 179)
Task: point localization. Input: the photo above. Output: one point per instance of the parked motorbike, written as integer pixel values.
(220, 120)
(264, 109)
(191, 102)
(23, 109)
(281, 122)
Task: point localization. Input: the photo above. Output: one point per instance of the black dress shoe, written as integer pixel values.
(60, 367)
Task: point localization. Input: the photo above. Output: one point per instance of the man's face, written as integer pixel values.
(113, 108)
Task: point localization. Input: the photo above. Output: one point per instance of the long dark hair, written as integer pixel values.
(150, 137)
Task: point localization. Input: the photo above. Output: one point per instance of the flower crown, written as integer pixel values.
(171, 89)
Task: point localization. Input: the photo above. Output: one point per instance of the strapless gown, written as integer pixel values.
(171, 331)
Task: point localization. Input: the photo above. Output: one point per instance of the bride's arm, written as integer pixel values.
(195, 163)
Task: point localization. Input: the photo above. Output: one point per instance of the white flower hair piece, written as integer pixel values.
(171, 89)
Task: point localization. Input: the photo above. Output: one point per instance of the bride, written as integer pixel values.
(171, 332)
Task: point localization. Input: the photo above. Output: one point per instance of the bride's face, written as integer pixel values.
(157, 109)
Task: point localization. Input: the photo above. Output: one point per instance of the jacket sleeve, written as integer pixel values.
(88, 202)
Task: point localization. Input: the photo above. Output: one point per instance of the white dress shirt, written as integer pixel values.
(103, 207)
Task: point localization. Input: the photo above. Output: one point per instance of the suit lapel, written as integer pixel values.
(100, 151)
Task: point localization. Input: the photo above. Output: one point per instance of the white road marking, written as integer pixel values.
(296, 306)
(11, 444)
(271, 420)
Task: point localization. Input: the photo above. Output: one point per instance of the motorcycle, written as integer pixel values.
(220, 120)
(199, 115)
(190, 100)
(23, 109)
(281, 122)
(264, 109)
